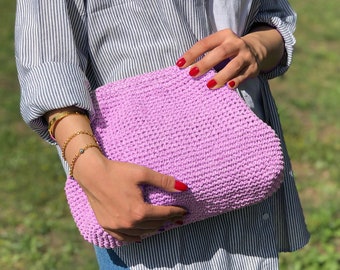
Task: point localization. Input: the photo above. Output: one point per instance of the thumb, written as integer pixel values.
(163, 181)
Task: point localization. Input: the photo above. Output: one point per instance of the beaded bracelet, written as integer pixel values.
(81, 151)
(58, 117)
(63, 149)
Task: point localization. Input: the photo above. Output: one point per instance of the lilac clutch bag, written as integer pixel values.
(171, 123)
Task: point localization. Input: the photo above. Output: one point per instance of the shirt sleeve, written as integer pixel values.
(280, 15)
(51, 57)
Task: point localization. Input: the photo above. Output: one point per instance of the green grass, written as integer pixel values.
(308, 98)
(36, 229)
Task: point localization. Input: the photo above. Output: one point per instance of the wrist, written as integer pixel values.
(56, 116)
(79, 146)
(90, 165)
(257, 49)
(267, 45)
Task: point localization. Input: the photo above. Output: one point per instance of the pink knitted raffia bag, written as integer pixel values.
(173, 124)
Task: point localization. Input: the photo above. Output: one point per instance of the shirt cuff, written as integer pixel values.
(52, 86)
(286, 29)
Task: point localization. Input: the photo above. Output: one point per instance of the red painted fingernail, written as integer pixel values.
(181, 62)
(180, 186)
(194, 71)
(212, 83)
(231, 84)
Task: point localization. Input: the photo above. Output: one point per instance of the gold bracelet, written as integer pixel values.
(58, 117)
(63, 149)
(81, 151)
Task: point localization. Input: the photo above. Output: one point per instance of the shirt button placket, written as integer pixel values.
(265, 216)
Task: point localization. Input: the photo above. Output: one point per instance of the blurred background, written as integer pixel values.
(36, 229)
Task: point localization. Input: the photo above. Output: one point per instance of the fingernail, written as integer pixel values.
(231, 84)
(212, 83)
(194, 71)
(180, 186)
(181, 62)
(179, 222)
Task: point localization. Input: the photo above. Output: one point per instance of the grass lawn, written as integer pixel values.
(36, 229)
(308, 98)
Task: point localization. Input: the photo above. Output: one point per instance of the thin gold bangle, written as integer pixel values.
(81, 151)
(58, 117)
(69, 139)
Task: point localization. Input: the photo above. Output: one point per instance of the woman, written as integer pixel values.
(66, 49)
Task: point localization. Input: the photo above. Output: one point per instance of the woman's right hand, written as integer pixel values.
(113, 188)
(115, 196)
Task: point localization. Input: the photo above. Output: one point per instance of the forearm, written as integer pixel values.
(267, 45)
(279, 15)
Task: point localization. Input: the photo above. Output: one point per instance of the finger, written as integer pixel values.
(225, 38)
(144, 226)
(228, 74)
(143, 175)
(150, 212)
(158, 225)
(165, 213)
(248, 72)
(238, 70)
(223, 52)
(163, 181)
(124, 237)
(211, 60)
(207, 44)
(232, 83)
(138, 232)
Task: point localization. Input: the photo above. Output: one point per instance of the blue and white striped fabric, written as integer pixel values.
(66, 49)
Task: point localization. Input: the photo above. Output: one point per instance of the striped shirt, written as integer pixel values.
(66, 49)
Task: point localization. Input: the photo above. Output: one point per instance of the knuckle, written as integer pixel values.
(138, 214)
(124, 225)
(127, 224)
(166, 181)
(224, 50)
(227, 32)
(112, 226)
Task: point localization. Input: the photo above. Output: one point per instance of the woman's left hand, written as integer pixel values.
(258, 51)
